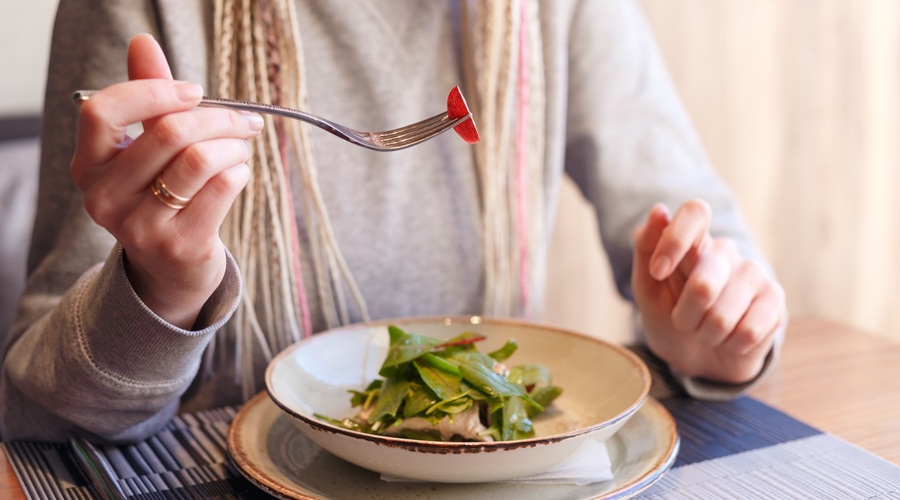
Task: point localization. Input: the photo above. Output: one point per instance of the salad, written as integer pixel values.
(446, 390)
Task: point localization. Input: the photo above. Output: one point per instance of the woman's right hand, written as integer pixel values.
(174, 258)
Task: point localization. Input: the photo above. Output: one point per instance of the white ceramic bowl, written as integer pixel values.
(603, 386)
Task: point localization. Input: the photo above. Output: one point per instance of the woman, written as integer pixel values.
(179, 260)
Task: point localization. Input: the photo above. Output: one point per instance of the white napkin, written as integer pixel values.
(589, 464)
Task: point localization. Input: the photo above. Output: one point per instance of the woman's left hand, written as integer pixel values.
(707, 311)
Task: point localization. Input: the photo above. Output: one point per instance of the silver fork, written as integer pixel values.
(388, 140)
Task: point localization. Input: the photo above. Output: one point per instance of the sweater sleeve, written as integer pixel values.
(630, 144)
(99, 361)
(85, 354)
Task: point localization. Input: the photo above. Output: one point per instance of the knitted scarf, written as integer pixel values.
(258, 56)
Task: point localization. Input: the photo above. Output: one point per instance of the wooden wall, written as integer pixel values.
(797, 102)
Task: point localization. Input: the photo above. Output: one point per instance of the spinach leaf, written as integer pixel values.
(445, 385)
(506, 351)
(529, 375)
(516, 424)
(419, 400)
(491, 383)
(404, 348)
(393, 392)
(544, 396)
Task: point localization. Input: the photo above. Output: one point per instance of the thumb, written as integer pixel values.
(146, 59)
(645, 240)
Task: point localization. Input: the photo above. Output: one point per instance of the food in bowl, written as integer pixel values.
(447, 390)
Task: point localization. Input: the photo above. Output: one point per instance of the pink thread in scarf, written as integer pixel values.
(296, 270)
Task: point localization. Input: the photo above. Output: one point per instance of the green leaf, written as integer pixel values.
(529, 375)
(494, 405)
(493, 384)
(396, 333)
(489, 382)
(444, 384)
(364, 398)
(493, 432)
(544, 396)
(459, 358)
(419, 400)
(506, 351)
(421, 434)
(404, 348)
(389, 400)
(440, 363)
(457, 404)
(516, 424)
(346, 423)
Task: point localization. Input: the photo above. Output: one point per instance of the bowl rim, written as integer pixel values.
(425, 446)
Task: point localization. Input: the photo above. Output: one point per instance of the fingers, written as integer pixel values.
(646, 239)
(186, 150)
(216, 197)
(647, 289)
(764, 316)
(176, 148)
(198, 163)
(746, 313)
(648, 235)
(705, 284)
(103, 119)
(689, 229)
(187, 238)
(732, 304)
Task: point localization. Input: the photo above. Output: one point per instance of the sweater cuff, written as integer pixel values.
(129, 343)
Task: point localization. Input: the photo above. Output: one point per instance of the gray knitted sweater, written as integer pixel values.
(85, 354)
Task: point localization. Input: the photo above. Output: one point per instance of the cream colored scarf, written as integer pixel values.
(259, 57)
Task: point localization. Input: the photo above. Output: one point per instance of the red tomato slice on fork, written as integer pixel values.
(457, 108)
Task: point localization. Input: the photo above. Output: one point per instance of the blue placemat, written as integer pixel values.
(734, 449)
(719, 429)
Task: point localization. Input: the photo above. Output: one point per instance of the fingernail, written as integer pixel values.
(661, 211)
(142, 35)
(189, 92)
(254, 121)
(660, 267)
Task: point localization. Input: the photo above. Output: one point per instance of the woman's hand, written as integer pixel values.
(706, 310)
(174, 258)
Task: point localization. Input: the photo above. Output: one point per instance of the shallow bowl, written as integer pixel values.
(603, 386)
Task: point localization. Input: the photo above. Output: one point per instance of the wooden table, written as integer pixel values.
(830, 376)
(9, 485)
(841, 381)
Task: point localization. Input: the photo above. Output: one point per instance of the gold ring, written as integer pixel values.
(166, 196)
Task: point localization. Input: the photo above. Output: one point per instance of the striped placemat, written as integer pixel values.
(733, 449)
(186, 460)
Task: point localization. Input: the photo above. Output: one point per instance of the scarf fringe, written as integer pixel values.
(259, 57)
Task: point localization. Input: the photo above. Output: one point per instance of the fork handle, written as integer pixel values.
(259, 107)
(82, 96)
